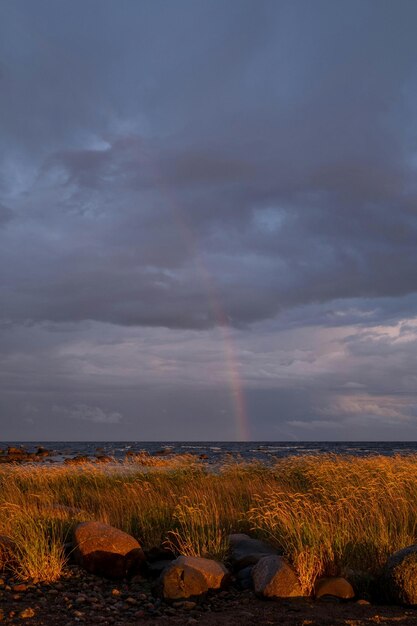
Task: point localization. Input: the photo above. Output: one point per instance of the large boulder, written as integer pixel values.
(273, 577)
(334, 586)
(399, 580)
(245, 550)
(107, 551)
(189, 576)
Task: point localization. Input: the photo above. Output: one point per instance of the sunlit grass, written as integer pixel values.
(325, 513)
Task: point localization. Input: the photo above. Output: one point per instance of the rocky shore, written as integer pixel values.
(82, 598)
(110, 580)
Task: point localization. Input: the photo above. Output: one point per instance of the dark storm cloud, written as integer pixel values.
(190, 164)
(270, 139)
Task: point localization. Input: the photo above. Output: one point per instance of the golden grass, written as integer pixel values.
(326, 513)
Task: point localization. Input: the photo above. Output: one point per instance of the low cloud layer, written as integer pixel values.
(190, 189)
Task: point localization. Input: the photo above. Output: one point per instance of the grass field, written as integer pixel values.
(326, 513)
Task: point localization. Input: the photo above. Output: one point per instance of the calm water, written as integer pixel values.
(216, 450)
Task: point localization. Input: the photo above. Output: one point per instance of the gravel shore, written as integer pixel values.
(81, 598)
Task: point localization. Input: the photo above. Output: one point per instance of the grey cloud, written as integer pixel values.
(93, 414)
(6, 215)
(198, 164)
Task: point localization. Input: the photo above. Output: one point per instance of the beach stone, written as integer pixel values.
(273, 577)
(334, 586)
(13, 451)
(189, 576)
(77, 460)
(163, 452)
(244, 577)
(106, 551)
(245, 550)
(41, 451)
(156, 568)
(399, 579)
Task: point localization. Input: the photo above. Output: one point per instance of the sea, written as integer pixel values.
(216, 451)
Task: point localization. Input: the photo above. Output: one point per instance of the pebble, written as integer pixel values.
(20, 587)
(27, 613)
(80, 599)
(116, 592)
(188, 605)
(170, 611)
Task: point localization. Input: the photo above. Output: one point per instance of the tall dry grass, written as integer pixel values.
(331, 513)
(325, 513)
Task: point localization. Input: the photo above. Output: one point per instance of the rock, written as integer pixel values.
(41, 451)
(106, 551)
(12, 451)
(399, 579)
(7, 552)
(156, 568)
(27, 613)
(189, 576)
(273, 577)
(246, 551)
(159, 554)
(244, 577)
(77, 460)
(334, 586)
(185, 604)
(163, 452)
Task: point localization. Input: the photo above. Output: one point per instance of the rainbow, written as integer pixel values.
(232, 365)
(236, 389)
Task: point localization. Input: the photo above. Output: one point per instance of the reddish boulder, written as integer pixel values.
(107, 551)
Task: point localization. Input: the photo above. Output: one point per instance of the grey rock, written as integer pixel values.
(273, 577)
(245, 550)
(189, 576)
(244, 577)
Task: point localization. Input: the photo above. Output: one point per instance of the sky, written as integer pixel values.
(208, 220)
